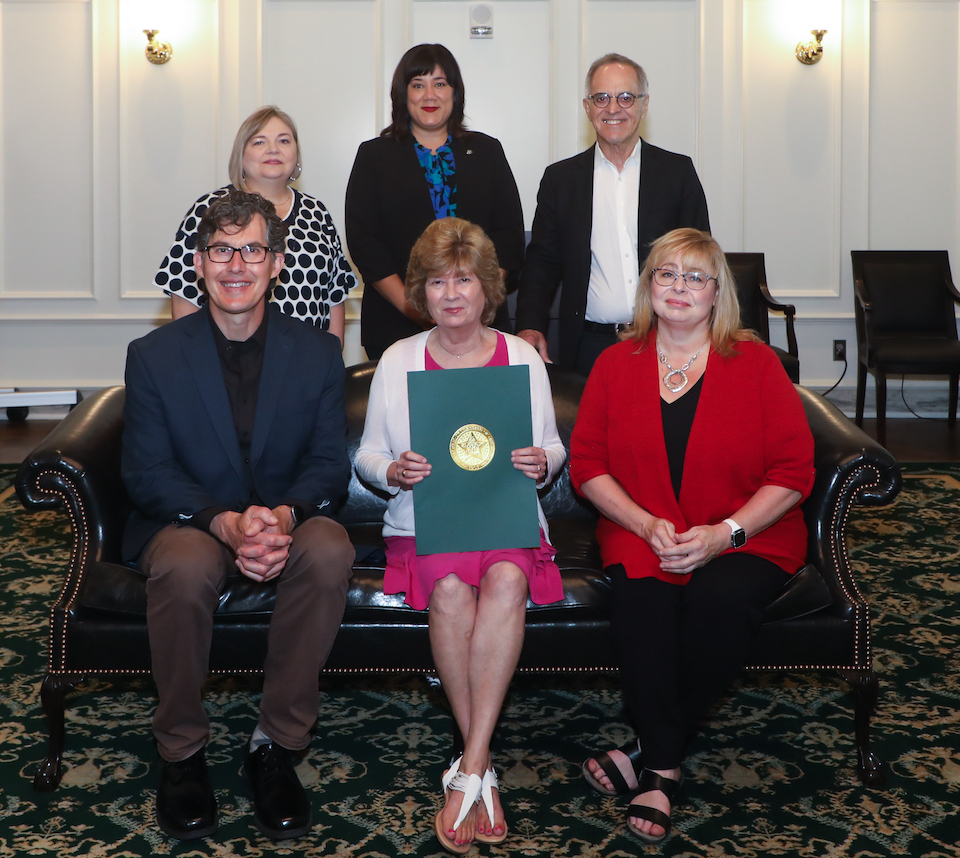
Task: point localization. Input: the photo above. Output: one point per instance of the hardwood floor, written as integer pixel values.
(18, 439)
(910, 440)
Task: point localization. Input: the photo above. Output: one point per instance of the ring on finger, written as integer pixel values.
(403, 473)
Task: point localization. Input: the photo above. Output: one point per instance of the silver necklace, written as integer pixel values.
(675, 387)
(462, 354)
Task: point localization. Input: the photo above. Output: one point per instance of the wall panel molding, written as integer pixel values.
(45, 152)
(804, 163)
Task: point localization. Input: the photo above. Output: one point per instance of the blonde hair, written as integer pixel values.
(454, 244)
(250, 128)
(700, 250)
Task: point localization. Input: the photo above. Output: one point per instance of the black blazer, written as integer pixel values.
(388, 207)
(180, 448)
(671, 196)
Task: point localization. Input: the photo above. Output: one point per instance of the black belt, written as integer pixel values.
(605, 327)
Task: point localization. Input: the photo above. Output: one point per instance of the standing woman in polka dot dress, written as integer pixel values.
(316, 276)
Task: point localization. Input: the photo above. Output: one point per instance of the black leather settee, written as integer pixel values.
(98, 624)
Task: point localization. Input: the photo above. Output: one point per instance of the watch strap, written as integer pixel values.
(735, 531)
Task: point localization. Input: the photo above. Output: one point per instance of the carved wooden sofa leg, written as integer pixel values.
(53, 697)
(866, 690)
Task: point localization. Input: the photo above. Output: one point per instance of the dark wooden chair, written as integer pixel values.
(756, 303)
(905, 310)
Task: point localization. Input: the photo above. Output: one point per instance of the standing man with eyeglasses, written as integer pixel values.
(234, 455)
(597, 214)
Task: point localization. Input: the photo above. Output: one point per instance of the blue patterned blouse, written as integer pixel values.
(440, 171)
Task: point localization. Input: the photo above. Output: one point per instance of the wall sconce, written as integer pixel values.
(811, 52)
(157, 52)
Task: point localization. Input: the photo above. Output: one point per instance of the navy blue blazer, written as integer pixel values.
(671, 197)
(180, 448)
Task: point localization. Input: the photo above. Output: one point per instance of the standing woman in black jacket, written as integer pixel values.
(424, 166)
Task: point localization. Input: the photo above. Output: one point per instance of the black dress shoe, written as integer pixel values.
(186, 808)
(280, 803)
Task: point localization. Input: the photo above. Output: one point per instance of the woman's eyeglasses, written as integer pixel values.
(694, 279)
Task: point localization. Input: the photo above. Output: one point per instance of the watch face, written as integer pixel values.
(739, 538)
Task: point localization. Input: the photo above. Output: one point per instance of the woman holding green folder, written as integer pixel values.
(477, 599)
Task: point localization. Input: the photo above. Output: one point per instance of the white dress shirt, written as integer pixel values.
(614, 262)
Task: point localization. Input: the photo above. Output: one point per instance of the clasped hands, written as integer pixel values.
(259, 537)
(412, 468)
(682, 553)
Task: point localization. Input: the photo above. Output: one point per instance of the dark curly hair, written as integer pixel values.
(237, 209)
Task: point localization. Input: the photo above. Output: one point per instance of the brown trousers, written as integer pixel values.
(186, 571)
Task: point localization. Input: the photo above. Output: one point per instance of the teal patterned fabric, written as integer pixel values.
(440, 171)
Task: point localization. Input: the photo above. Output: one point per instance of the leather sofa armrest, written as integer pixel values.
(77, 466)
(852, 469)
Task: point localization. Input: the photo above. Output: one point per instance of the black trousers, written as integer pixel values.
(591, 344)
(680, 646)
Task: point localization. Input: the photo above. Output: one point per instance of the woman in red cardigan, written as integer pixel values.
(693, 445)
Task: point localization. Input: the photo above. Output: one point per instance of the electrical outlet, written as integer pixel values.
(839, 349)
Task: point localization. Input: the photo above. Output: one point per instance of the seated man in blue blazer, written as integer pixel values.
(234, 454)
(597, 215)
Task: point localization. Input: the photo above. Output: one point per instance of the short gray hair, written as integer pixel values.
(617, 59)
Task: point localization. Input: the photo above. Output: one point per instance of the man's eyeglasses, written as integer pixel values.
(625, 99)
(694, 279)
(223, 253)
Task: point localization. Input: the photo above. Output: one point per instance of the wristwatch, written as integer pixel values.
(296, 513)
(738, 536)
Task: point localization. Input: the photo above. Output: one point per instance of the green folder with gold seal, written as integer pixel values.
(466, 422)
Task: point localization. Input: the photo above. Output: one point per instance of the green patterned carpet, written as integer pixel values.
(771, 773)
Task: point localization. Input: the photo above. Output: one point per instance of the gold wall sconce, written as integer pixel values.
(159, 52)
(811, 52)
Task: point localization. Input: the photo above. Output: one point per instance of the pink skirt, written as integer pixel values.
(416, 576)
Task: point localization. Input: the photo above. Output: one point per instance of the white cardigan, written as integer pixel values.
(386, 432)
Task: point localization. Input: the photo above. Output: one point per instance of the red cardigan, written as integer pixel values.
(749, 430)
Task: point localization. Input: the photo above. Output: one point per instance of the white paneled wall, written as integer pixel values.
(913, 125)
(47, 172)
(168, 130)
(102, 153)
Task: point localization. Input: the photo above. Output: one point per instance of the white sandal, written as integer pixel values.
(489, 784)
(470, 786)
(449, 773)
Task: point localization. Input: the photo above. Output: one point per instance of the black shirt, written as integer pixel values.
(241, 364)
(677, 419)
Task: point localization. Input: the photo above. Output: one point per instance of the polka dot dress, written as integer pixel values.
(315, 275)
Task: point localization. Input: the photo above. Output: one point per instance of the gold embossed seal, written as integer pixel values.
(472, 447)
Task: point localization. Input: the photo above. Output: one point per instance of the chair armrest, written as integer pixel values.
(789, 311)
(952, 290)
(77, 466)
(852, 469)
(772, 303)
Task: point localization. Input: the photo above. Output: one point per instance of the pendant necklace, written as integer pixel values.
(462, 354)
(676, 387)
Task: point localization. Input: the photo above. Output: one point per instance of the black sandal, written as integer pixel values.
(610, 769)
(650, 781)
